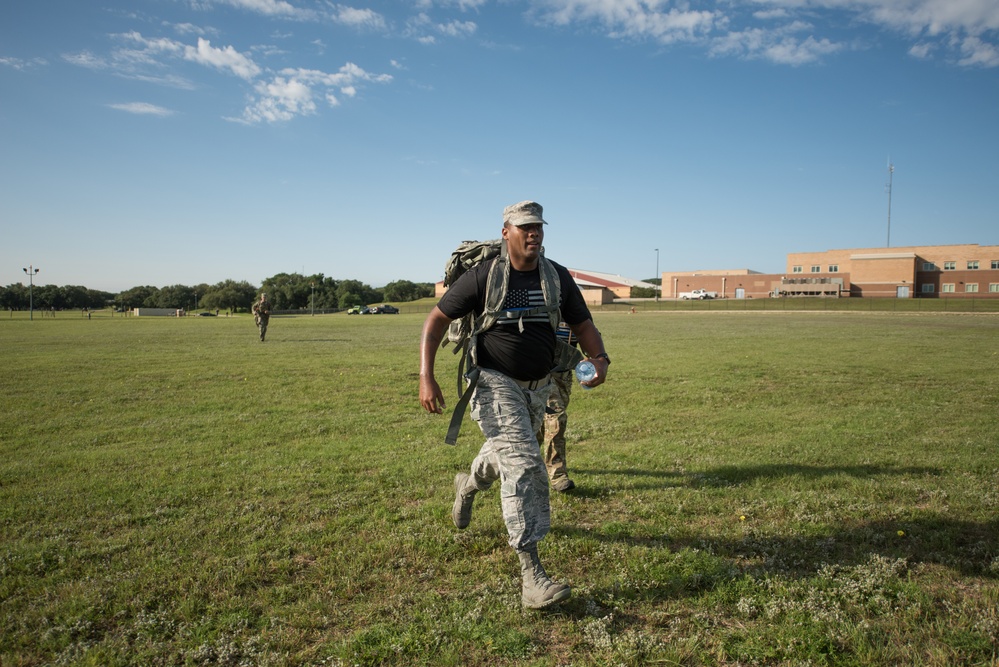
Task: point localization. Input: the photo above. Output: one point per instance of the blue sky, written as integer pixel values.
(162, 142)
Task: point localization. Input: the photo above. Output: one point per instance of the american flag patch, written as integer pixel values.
(522, 299)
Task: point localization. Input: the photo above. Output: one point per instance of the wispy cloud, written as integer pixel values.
(142, 108)
(782, 44)
(791, 32)
(975, 52)
(425, 30)
(358, 18)
(278, 8)
(277, 96)
(294, 92)
(226, 59)
(19, 64)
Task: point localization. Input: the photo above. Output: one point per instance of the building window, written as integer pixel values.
(950, 266)
(927, 288)
(816, 268)
(971, 287)
(995, 263)
(796, 269)
(834, 268)
(929, 266)
(972, 264)
(947, 288)
(994, 288)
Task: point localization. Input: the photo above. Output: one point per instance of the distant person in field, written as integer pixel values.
(514, 358)
(551, 436)
(262, 315)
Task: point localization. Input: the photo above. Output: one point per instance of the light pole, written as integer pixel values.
(659, 288)
(31, 271)
(195, 302)
(313, 302)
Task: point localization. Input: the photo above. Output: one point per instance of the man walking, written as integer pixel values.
(262, 314)
(514, 358)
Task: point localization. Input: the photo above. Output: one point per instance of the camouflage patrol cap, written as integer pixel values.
(523, 213)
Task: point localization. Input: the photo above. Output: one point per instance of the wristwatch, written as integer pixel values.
(603, 355)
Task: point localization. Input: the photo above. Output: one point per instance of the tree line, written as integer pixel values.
(286, 291)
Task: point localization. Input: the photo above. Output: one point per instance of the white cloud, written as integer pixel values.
(19, 64)
(771, 29)
(779, 45)
(977, 53)
(142, 108)
(457, 28)
(951, 23)
(463, 5)
(224, 59)
(358, 18)
(292, 92)
(425, 30)
(273, 8)
(922, 50)
(280, 99)
(85, 59)
(633, 19)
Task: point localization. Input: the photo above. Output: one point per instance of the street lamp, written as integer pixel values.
(195, 302)
(659, 289)
(31, 271)
(313, 302)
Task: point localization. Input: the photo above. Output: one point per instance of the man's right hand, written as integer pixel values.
(431, 396)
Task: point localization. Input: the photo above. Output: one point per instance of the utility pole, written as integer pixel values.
(891, 171)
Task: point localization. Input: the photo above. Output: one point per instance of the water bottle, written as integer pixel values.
(585, 371)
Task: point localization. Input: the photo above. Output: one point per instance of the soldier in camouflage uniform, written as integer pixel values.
(514, 359)
(551, 436)
(262, 315)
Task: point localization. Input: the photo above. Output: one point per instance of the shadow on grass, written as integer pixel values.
(731, 475)
(968, 547)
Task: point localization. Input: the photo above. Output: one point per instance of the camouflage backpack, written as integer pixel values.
(463, 333)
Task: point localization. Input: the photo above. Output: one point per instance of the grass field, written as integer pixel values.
(754, 488)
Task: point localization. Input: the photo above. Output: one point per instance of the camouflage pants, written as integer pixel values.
(552, 437)
(509, 417)
(262, 325)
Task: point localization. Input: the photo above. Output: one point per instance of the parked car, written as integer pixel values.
(385, 308)
(206, 314)
(359, 310)
(698, 295)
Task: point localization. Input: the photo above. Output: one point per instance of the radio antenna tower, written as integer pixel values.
(891, 170)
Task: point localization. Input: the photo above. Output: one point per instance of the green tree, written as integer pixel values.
(355, 293)
(175, 296)
(404, 290)
(229, 295)
(138, 297)
(14, 296)
(287, 291)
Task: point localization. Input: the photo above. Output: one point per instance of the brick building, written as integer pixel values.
(966, 270)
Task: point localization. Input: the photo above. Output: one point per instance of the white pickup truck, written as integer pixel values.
(698, 294)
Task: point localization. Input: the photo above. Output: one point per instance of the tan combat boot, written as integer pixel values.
(539, 591)
(464, 495)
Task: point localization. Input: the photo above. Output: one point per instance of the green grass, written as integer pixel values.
(768, 488)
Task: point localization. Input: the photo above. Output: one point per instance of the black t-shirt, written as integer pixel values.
(525, 356)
